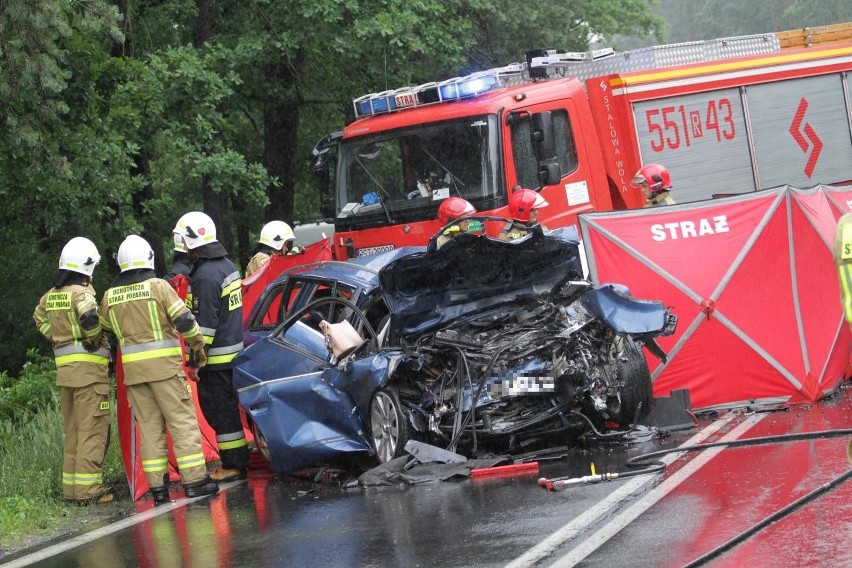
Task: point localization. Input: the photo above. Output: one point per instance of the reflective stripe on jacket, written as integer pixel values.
(58, 317)
(142, 317)
(217, 303)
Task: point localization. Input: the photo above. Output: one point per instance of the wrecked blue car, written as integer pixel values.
(480, 345)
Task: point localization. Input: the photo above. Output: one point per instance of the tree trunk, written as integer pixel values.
(281, 129)
(214, 203)
(151, 232)
(203, 28)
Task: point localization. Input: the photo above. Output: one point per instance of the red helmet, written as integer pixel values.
(454, 208)
(655, 175)
(523, 201)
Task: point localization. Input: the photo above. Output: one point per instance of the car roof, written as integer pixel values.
(359, 272)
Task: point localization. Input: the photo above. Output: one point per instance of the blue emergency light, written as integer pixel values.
(430, 93)
(467, 87)
(474, 84)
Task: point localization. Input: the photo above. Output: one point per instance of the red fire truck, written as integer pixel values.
(724, 116)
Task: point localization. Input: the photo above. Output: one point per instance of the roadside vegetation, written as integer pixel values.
(31, 504)
(120, 116)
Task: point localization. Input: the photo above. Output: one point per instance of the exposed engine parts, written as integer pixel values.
(548, 367)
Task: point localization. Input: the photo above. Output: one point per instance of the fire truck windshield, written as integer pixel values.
(401, 176)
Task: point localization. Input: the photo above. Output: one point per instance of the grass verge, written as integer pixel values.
(31, 506)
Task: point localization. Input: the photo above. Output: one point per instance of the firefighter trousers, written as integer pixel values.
(219, 404)
(167, 404)
(86, 417)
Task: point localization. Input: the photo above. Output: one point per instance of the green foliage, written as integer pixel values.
(31, 502)
(120, 122)
(33, 390)
(172, 105)
(810, 13)
(505, 30)
(690, 20)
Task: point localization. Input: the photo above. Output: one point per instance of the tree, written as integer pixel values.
(505, 30)
(690, 20)
(120, 116)
(56, 156)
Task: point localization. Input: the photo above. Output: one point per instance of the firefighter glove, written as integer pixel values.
(199, 357)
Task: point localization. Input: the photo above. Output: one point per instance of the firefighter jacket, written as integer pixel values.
(261, 257)
(145, 315)
(842, 251)
(65, 316)
(514, 230)
(215, 297)
(180, 265)
(661, 198)
(256, 262)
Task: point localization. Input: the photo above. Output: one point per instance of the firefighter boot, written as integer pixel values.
(228, 474)
(204, 486)
(104, 498)
(161, 493)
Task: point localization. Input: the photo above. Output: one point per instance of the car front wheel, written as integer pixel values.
(637, 393)
(260, 441)
(388, 426)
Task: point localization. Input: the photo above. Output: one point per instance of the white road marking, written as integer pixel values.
(611, 503)
(630, 514)
(88, 537)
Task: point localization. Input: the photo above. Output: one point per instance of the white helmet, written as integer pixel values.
(179, 246)
(275, 234)
(135, 252)
(196, 229)
(79, 255)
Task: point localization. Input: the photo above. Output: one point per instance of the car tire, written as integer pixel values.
(389, 428)
(633, 373)
(260, 442)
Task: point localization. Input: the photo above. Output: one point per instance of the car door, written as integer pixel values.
(299, 396)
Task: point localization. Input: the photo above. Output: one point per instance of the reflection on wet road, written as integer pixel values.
(702, 500)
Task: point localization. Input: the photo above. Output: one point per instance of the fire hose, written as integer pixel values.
(561, 483)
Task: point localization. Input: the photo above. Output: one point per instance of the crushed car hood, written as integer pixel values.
(472, 273)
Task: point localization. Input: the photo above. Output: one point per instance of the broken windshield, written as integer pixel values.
(403, 175)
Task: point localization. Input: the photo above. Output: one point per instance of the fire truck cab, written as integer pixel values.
(728, 115)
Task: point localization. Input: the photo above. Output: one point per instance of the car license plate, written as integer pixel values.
(519, 386)
(373, 250)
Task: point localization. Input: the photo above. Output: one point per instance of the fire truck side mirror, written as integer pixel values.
(544, 146)
(323, 156)
(549, 173)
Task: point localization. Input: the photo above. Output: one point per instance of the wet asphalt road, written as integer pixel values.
(701, 501)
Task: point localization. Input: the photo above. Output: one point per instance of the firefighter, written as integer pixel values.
(215, 294)
(656, 184)
(843, 259)
(67, 315)
(180, 260)
(146, 315)
(276, 237)
(523, 206)
(451, 209)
